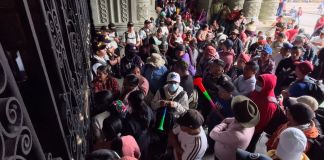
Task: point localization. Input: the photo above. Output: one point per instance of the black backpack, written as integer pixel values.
(316, 151)
(316, 89)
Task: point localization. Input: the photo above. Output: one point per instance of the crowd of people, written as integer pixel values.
(254, 84)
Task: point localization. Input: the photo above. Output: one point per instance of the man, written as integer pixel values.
(277, 44)
(180, 25)
(318, 41)
(131, 36)
(286, 69)
(114, 58)
(99, 58)
(309, 53)
(209, 55)
(220, 36)
(237, 43)
(172, 96)
(131, 58)
(301, 86)
(145, 34)
(292, 33)
(112, 33)
(266, 64)
(284, 52)
(202, 36)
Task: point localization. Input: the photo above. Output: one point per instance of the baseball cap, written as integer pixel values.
(219, 62)
(173, 77)
(245, 57)
(130, 24)
(111, 26)
(228, 43)
(100, 46)
(147, 22)
(305, 67)
(267, 49)
(236, 31)
(131, 48)
(191, 119)
(287, 45)
(226, 85)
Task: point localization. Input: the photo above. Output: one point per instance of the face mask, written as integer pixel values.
(258, 88)
(173, 87)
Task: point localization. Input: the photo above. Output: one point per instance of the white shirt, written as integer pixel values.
(277, 58)
(101, 62)
(165, 30)
(132, 38)
(194, 146)
(244, 87)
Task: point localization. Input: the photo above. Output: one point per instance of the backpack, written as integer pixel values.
(126, 36)
(316, 148)
(316, 89)
(279, 117)
(146, 41)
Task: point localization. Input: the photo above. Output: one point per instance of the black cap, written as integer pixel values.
(100, 46)
(130, 24)
(191, 119)
(131, 48)
(147, 22)
(219, 62)
(111, 26)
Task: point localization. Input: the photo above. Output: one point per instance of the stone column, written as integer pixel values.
(122, 11)
(268, 11)
(251, 8)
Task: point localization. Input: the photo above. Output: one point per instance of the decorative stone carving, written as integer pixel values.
(268, 11)
(251, 8)
(142, 10)
(103, 10)
(238, 3)
(124, 10)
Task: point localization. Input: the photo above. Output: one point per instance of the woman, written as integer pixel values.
(104, 81)
(235, 132)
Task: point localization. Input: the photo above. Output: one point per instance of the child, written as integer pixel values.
(245, 83)
(237, 70)
(188, 139)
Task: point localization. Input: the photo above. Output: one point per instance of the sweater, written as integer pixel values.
(244, 86)
(228, 136)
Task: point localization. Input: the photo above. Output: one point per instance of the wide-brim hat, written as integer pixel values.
(245, 111)
(155, 60)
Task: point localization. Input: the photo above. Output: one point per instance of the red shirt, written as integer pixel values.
(111, 84)
(291, 34)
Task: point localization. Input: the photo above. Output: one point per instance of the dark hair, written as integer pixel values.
(133, 67)
(131, 80)
(174, 29)
(102, 100)
(159, 30)
(301, 49)
(182, 65)
(101, 154)
(296, 26)
(281, 34)
(204, 26)
(254, 66)
(103, 68)
(140, 108)
(117, 145)
(111, 127)
(104, 28)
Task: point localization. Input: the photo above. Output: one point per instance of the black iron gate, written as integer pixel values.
(47, 46)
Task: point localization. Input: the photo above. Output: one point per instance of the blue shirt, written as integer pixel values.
(299, 88)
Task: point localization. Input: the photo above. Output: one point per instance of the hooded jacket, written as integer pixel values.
(262, 99)
(180, 106)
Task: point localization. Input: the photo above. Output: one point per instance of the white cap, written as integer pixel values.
(292, 144)
(173, 77)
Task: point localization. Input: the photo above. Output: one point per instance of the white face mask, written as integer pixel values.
(173, 87)
(258, 88)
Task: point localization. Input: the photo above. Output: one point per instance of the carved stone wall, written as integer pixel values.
(121, 11)
(268, 11)
(238, 3)
(251, 8)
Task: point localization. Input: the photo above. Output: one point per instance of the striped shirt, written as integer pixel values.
(194, 146)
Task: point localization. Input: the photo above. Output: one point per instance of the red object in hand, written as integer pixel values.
(198, 83)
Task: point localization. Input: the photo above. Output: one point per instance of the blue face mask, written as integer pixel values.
(173, 87)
